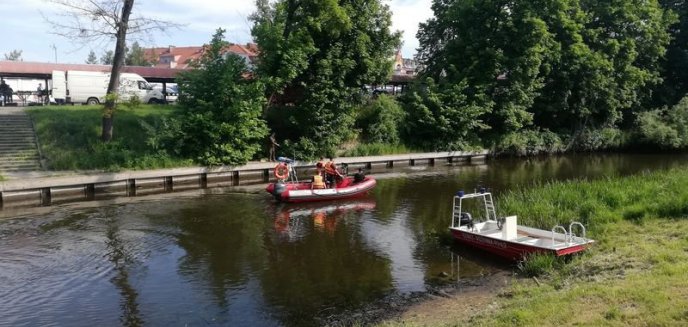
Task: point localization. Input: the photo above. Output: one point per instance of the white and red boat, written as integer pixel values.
(288, 189)
(504, 237)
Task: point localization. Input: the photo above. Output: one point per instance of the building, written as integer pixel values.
(182, 57)
(404, 66)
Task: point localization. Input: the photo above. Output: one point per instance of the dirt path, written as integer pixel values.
(458, 305)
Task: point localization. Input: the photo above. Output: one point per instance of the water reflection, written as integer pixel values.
(122, 260)
(292, 220)
(318, 256)
(243, 260)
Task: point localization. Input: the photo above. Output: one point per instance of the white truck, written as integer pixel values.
(91, 87)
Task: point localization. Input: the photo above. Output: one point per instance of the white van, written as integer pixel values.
(91, 87)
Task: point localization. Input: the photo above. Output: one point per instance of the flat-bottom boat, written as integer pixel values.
(504, 237)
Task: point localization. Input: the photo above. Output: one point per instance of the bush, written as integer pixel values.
(220, 120)
(134, 102)
(444, 117)
(380, 119)
(607, 138)
(529, 142)
(665, 128)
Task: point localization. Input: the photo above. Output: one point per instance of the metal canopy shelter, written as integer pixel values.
(41, 70)
(44, 71)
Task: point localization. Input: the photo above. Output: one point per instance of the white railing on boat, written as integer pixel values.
(569, 235)
(572, 235)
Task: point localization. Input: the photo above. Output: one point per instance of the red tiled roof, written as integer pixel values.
(182, 56)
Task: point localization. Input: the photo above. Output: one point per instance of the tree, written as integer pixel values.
(675, 65)
(221, 110)
(490, 50)
(14, 55)
(565, 65)
(91, 21)
(315, 57)
(136, 56)
(107, 58)
(92, 59)
(444, 117)
(608, 62)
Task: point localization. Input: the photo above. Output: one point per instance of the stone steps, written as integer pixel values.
(18, 149)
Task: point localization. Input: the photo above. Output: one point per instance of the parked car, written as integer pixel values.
(172, 94)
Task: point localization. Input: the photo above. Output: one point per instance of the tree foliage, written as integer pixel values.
(14, 55)
(107, 58)
(104, 21)
(315, 57)
(666, 128)
(380, 120)
(562, 65)
(675, 65)
(443, 117)
(92, 59)
(220, 120)
(136, 56)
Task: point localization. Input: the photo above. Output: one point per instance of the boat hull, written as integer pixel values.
(508, 249)
(302, 191)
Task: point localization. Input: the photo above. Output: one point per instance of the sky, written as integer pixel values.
(24, 27)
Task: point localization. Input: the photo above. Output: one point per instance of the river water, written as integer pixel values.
(215, 257)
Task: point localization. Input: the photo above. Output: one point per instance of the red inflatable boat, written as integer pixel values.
(346, 188)
(289, 189)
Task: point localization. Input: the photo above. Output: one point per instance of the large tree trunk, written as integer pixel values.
(118, 62)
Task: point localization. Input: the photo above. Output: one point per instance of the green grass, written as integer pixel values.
(376, 149)
(69, 137)
(634, 275)
(596, 203)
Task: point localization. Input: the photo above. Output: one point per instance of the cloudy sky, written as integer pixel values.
(23, 26)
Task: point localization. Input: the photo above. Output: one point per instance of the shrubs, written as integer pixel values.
(444, 117)
(665, 128)
(220, 120)
(529, 142)
(379, 120)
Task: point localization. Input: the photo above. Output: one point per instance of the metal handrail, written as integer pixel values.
(566, 234)
(575, 223)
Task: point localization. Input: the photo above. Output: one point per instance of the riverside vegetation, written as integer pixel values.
(68, 137)
(518, 78)
(633, 275)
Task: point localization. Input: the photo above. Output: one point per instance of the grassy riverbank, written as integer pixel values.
(69, 138)
(634, 275)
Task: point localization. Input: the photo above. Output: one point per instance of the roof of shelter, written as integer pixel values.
(43, 70)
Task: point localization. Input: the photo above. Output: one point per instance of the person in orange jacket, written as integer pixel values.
(332, 173)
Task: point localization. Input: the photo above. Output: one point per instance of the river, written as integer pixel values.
(220, 258)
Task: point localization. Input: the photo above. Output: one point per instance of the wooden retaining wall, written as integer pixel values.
(45, 191)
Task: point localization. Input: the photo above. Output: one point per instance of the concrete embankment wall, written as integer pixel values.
(35, 190)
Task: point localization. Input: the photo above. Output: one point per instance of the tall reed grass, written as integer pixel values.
(661, 194)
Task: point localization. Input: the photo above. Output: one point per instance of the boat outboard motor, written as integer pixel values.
(465, 219)
(279, 188)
